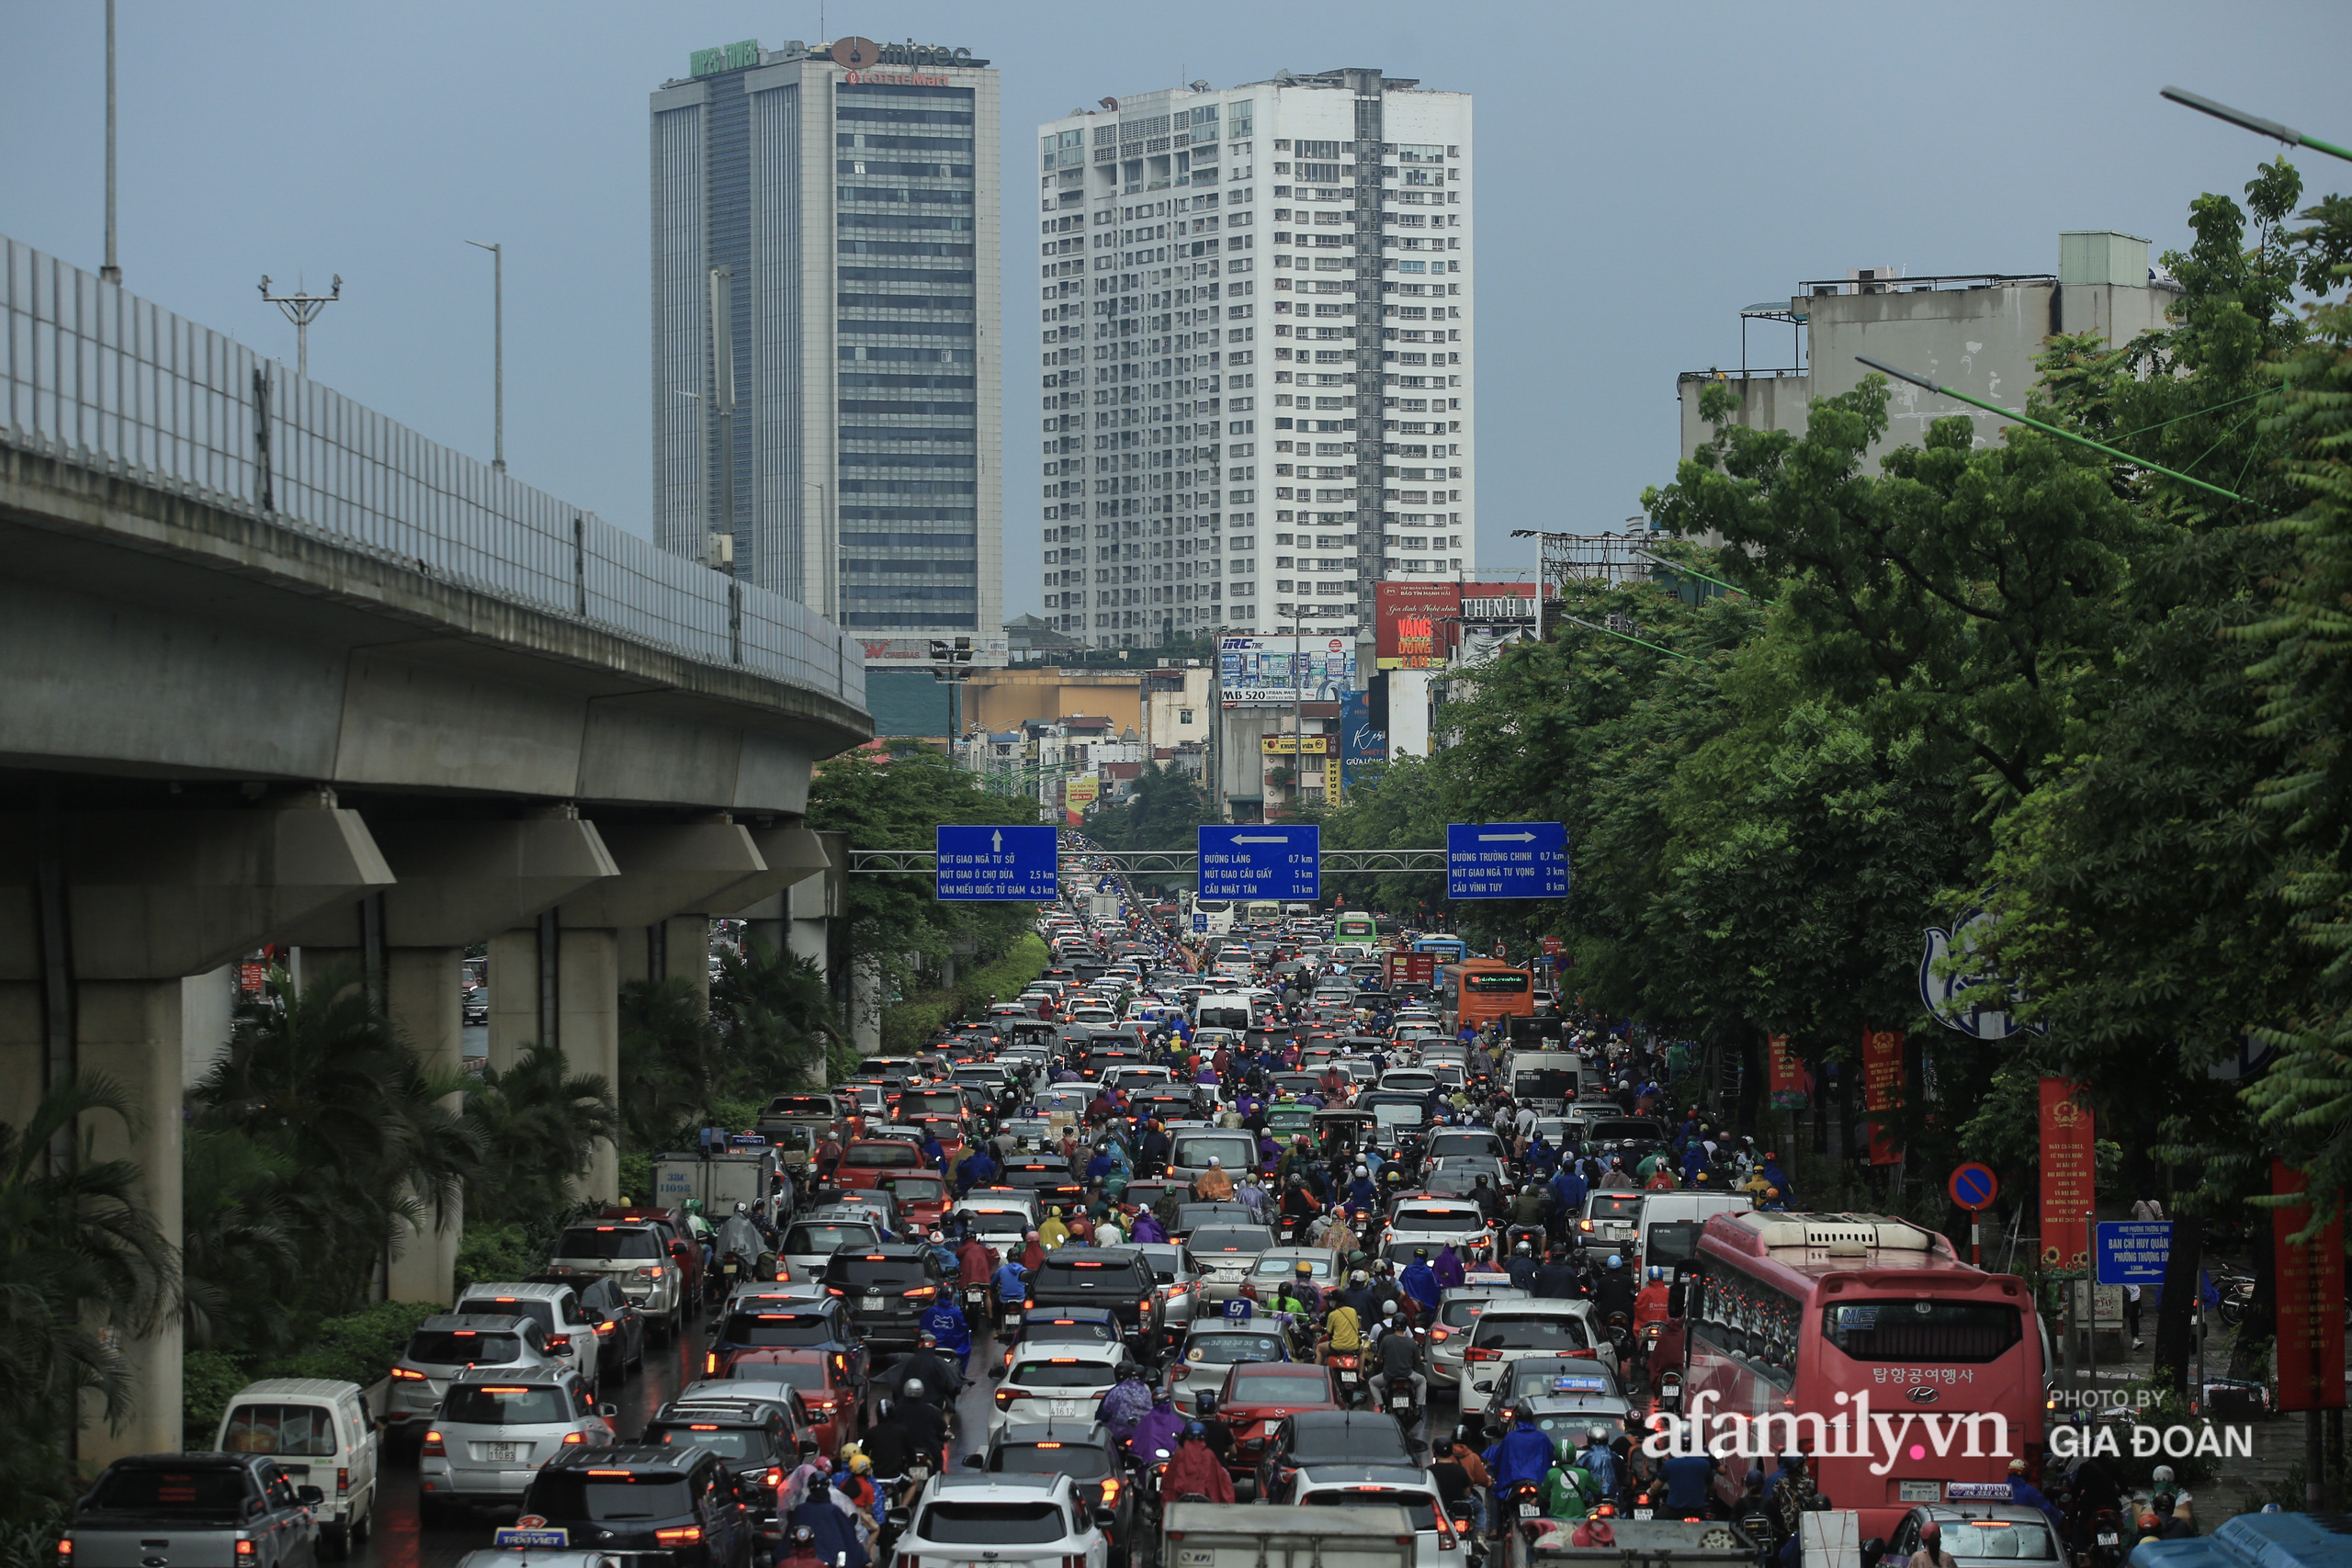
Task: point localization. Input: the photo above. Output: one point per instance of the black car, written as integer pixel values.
(620, 1322)
(760, 1440)
(1080, 1449)
(888, 1290)
(1313, 1438)
(684, 1504)
(1113, 1277)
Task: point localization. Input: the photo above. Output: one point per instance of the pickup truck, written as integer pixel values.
(1243, 1535)
(193, 1511)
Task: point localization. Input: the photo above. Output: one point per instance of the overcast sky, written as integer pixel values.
(1643, 171)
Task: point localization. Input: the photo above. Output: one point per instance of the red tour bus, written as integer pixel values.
(1814, 1320)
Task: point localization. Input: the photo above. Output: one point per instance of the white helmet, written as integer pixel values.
(1388, 1309)
(914, 1388)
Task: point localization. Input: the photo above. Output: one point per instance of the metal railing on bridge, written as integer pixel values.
(99, 377)
(1150, 862)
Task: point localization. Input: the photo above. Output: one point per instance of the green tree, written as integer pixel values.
(537, 1123)
(83, 1264)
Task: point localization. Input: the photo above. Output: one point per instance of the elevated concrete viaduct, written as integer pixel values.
(275, 669)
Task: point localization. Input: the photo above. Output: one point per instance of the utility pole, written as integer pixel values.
(301, 308)
(722, 374)
(829, 541)
(111, 272)
(497, 350)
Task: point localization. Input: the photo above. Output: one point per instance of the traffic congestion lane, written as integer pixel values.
(398, 1541)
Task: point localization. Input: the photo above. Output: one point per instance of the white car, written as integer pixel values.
(494, 1431)
(1505, 1333)
(1054, 1380)
(1012, 1521)
(1435, 1222)
(1384, 1486)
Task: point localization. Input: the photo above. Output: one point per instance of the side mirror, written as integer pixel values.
(1105, 1517)
(608, 1411)
(1872, 1550)
(974, 1462)
(309, 1496)
(1675, 1296)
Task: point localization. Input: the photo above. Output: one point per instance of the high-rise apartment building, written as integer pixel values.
(830, 215)
(1257, 369)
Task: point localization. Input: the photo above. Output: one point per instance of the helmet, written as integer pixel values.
(1523, 1250)
(860, 1465)
(1214, 1162)
(1932, 1532)
(1615, 1262)
(1771, 1192)
(1421, 1252)
(1303, 1267)
(1356, 1278)
(935, 1235)
(2017, 1467)
(1597, 1433)
(1362, 1172)
(1206, 1404)
(1029, 1235)
(1129, 1370)
(1388, 1309)
(742, 1208)
(926, 1337)
(914, 1388)
(803, 1536)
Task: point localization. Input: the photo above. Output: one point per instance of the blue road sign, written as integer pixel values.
(1973, 1186)
(1506, 859)
(1200, 922)
(1262, 860)
(998, 865)
(2132, 1252)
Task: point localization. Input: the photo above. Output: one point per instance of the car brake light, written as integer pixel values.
(710, 1364)
(1474, 1354)
(1110, 1491)
(558, 1341)
(64, 1549)
(575, 1437)
(1005, 1396)
(604, 1327)
(679, 1535)
(432, 1448)
(403, 1374)
(342, 1481)
(922, 1290)
(1587, 1355)
(244, 1549)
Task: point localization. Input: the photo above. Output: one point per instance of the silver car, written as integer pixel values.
(810, 1241)
(448, 1343)
(495, 1429)
(1179, 1284)
(1224, 1255)
(1457, 1315)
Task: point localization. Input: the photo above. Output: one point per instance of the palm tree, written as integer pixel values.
(776, 1017)
(669, 1060)
(240, 1225)
(321, 1078)
(536, 1124)
(83, 1265)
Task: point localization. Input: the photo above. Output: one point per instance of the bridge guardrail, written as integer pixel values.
(99, 378)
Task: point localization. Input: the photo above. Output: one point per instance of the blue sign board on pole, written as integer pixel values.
(1200, 922)
(1261, 860)
(1506, 859)
(998, 865)
(2132, 1252)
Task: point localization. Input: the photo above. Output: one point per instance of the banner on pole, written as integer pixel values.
(1790, 1085)
(2068, 1158)
(2311, 1300)
(1883, 1090)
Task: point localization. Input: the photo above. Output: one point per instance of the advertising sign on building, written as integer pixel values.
(1413, 624)
(2067, 1159)
(1786, 1079)
(2311, 1300)
(1078, 795)
(1498, 605)
(1358, 742)
(1883, 1090)
(1275, 672)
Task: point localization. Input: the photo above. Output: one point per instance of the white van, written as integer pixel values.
(1189, 1151)
(320, 1433)
(1224, 1010)
(1679, 1208)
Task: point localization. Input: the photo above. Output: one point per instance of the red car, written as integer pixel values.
(1256, 1397)
(825, 1380)
(922, 1199)
(865, 1163)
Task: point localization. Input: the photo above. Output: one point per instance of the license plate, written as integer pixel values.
(1530, 1511)
(1645, 1512)
(507, 1451)
(1918, 1491)
(1346, 1376)
(873, 1303)
(2107, 1538)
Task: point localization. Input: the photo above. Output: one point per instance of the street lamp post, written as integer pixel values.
(301, 308)
(111, 272)
(497, 351)
(829, 576)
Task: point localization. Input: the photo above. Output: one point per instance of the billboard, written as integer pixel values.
(1358, 742)
(1275, 672)
(1413, 622)
(1078, 795)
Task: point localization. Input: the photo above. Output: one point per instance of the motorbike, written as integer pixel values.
(1400, 1404)
(977, 1303)
(2107, 1547)
(1522, 1507)
(1347, 1370)
(2237, 1295)
(1465, 1531)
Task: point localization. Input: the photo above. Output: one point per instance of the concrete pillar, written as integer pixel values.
(208, 1009)
(425, 995)
(588, 983)
(129, 1030)
(865, 1006)
(514, 994)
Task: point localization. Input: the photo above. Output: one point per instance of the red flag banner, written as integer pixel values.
(1883, 1089)
(1785, 1076)
(2068, 1158)
(2310, 1302)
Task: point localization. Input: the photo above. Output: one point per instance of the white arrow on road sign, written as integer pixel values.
(1260, 838)
(995, 843)
(1506, 838)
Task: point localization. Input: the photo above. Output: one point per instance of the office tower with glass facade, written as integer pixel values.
(1256, 368)
(827, 216)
